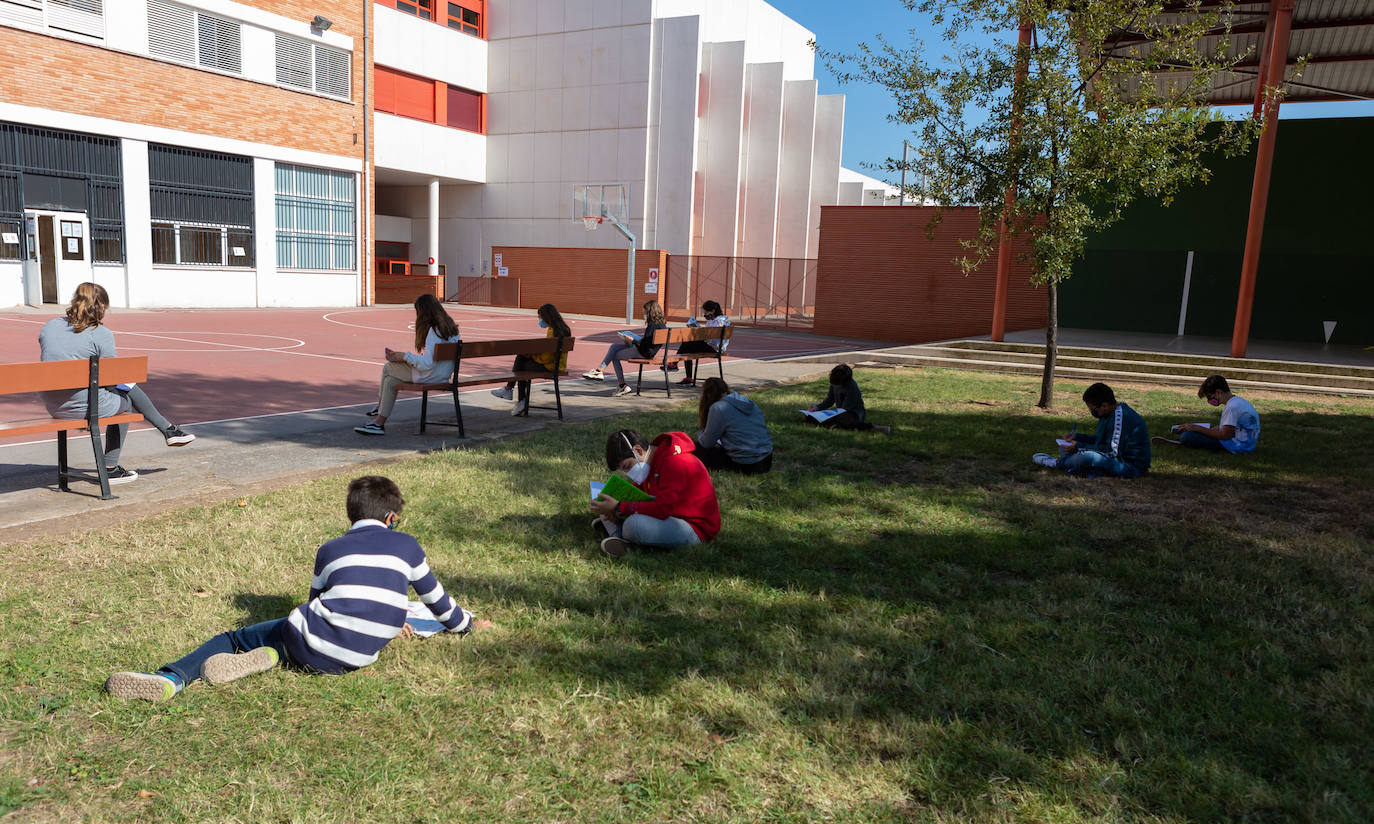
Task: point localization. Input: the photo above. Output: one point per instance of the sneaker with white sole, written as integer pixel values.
(614, 547)
(120, 475)
(145, 686)
(231, 666)
(372, 428)
(594, 375)
(176, 437)
(520, 407)
(1045, 460)
(373, 412)
(623, 391)
(503, 393)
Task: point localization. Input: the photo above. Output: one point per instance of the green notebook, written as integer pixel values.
(620, 489)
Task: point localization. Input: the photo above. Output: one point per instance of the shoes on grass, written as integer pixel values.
(520, 407)
(599, 527)
(503, 393)
(613, 547)
(594, 375)
(176, 437)
(142, 686)
(623, 391)
(372, 428)
(1045, 460)
(1159, 441)
(231, 666)
(120, 475)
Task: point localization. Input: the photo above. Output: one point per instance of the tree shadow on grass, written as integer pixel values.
(258, 607)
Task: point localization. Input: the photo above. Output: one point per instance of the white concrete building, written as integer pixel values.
(705, 113)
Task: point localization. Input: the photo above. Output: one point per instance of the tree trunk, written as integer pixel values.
(1051, 350)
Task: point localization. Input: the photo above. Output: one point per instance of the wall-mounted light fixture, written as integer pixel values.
(321, 23)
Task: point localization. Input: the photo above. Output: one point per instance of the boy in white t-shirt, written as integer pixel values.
(1238, 431)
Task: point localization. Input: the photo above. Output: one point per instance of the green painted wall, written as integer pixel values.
(1317, 262)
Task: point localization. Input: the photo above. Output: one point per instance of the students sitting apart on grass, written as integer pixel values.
(715, 317)
(357, 604)
(433, 326)
(1119, 448)
(550, 319)
(631, 347)
(844, 395)
(684, 510)
(733, 433)
(78, 335)
(1238, 431)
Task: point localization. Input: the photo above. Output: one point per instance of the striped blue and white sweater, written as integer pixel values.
(358, 599)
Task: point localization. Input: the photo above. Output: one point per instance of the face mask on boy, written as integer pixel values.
(1214, 401)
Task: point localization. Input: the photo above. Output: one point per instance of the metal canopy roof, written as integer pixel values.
(1336, 37)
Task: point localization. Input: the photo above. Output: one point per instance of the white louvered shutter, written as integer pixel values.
(220, 44)
(171, 31)
(331, 71)
(22, 12)
(78, 16)
(294, 62)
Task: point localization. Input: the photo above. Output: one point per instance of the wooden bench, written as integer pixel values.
(73, 375)
(465, 351)
(664, 338)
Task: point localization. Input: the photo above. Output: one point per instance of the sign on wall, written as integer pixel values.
(651, 285)
(497, 257)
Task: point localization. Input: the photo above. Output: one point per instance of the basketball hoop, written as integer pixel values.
(590, 222)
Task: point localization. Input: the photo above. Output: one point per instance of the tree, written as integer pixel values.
(1103, 104)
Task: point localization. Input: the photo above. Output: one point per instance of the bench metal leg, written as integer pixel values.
(666, 386)
(720, 365)
(424, 410)
(640, 379)
(458, 411)
(62, 461)
(99, 449)
(558, 396)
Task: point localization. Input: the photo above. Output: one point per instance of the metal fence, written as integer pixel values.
(486, 291)
(751, 290)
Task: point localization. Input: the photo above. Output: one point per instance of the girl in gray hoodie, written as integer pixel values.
(733, 433)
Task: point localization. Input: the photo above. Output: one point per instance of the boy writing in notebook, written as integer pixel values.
(357, 604)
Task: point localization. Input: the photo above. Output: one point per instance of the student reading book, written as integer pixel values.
(684, 510)
(631, 345)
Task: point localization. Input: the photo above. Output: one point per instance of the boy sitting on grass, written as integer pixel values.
(1238, 432)
(1120, 448)
(357, 604)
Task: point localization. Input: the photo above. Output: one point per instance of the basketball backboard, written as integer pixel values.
(610, 200)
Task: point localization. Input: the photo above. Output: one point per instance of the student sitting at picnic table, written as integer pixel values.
(733, 433)
(1238, 431)
(684, 510)
(1120, 447)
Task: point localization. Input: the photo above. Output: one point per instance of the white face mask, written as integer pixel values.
(639, 472)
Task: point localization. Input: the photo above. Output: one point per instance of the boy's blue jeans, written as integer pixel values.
(1088, 462)
(1199, 441)
(265, 634)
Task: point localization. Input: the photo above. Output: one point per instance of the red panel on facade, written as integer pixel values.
(404, 94)
(464, 109)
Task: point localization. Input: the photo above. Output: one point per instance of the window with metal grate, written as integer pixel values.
(26, 13)
(295, 62)
(331, 71)
(78, 16)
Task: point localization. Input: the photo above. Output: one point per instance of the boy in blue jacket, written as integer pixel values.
(357, 604)
(1120, 447)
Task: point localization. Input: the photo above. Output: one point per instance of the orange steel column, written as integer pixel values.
(1003, 281)
(1259, 193)
(1265, 43)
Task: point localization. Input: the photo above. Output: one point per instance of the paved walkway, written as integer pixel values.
(247, 456)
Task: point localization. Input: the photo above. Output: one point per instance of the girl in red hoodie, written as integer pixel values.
(684, 510)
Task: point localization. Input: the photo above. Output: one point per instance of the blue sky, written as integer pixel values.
(868, 136)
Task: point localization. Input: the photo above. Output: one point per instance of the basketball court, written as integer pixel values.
(208, 365)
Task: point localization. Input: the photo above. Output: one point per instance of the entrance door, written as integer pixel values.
(33, 275)
(59, 254)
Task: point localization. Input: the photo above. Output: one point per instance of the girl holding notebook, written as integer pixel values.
(631, 345)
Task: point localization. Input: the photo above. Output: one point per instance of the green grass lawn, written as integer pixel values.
(921, 627)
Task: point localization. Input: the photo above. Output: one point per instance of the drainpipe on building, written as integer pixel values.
(365, 224)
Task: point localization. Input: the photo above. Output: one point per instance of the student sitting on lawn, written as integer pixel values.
(844, 394)
(357, 604)
(733, 433)
(625, 347)
(684, 511)
(1238, 431)
(1120, 447)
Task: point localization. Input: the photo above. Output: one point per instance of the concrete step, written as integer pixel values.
(1212, 362)
(1106, 369)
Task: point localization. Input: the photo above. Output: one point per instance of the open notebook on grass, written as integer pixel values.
(821, 415)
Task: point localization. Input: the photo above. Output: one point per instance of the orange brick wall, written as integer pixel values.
(880, 277)
(52, 73)
(581, 281)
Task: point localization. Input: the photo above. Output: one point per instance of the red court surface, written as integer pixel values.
(209, 365)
